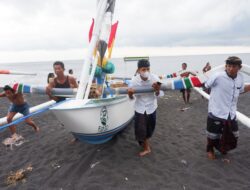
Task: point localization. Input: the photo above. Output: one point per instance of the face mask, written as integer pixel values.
(145, 74)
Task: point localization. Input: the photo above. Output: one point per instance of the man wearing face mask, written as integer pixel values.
(145, 105)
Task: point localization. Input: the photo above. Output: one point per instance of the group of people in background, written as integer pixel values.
(222, 127)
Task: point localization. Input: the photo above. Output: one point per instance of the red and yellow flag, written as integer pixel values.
(112, 38)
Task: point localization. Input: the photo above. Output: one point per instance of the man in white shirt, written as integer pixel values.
(145, 104)
(222, 127)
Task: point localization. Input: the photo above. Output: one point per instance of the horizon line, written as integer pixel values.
(118, 52)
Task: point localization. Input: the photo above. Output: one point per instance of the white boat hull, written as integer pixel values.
(95, 120)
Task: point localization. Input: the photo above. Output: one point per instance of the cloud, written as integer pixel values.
(43, 25)
(185, 23)
(61, 25)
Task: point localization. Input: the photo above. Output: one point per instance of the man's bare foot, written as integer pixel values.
(14, 135)
(73, 141)
(211, 155)
(144, 152)
(225, 160)
(37, 129)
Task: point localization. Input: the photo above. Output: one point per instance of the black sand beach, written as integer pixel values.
(178, 160)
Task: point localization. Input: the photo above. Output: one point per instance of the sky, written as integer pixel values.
(35, 30)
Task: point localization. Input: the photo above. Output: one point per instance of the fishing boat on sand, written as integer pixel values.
(91, 120)
(97, 120)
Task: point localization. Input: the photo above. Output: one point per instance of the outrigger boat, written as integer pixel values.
(98, 120)
(90, 120)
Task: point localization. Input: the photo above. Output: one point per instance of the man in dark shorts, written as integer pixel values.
(19, 105)
(60, 81)
(222, 127)
(145, 105)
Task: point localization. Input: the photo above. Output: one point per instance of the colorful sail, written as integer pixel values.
(112, 38)
(91, 29)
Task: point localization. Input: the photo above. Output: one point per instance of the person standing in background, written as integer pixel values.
(71, 73)
(206, 68)
(183, 74)
(50, 77)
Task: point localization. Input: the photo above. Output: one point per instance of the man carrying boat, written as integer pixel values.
(60, 81)
(19, 105)
(222, 127)
(145, 105)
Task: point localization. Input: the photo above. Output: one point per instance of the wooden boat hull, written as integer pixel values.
(95, 121)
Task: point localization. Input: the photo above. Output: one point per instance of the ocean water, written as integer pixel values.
(159, 65)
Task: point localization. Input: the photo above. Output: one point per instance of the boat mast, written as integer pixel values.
(101, 9)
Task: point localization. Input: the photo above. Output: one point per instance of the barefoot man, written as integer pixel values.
(184, 73)
(222, 127)
(145, 105)
(19, 105)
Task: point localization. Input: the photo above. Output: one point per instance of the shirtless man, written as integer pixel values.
(19, 105)
(185, 92)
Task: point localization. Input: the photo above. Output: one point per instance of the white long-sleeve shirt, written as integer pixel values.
(224, 94)
(145, 102)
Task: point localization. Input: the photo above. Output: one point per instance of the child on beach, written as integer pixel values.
(19, 105)
(222, 127)
(145, 105)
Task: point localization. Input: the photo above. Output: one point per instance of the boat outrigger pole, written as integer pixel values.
(9, 72)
